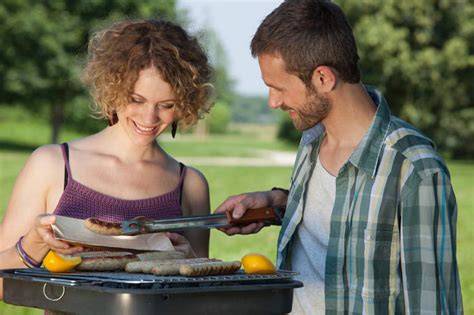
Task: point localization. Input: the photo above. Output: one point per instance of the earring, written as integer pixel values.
(113, 120)
(174, 127)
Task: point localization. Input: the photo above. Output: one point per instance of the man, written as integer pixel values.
(370, 221)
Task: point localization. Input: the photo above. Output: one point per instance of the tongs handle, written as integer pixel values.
(266, 215)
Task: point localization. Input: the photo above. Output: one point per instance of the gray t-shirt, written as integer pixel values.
(311, 241)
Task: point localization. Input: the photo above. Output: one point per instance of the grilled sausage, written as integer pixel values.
(103, 227)
(147, 266)
(161, 255)
(209, 268)
(110, 263)
(101, 253)
(166, 270)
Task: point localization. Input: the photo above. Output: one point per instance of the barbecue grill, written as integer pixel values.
(124, 293)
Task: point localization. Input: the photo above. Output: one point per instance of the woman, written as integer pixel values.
(145, 77)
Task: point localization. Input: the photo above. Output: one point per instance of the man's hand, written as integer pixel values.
(239, 204)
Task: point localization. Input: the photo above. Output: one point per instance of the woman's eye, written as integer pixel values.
(136, 101)
(166, 106)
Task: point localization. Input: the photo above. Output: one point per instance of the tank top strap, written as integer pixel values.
(67, 167)
(182, 169)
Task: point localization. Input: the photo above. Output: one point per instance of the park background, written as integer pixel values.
(419, 53)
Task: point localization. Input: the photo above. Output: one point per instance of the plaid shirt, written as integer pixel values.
(392, 243)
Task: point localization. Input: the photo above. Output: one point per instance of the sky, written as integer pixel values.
(235, 22)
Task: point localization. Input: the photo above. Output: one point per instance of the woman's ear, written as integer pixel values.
(324, 79)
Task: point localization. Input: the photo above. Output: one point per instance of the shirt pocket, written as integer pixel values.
(374, 264)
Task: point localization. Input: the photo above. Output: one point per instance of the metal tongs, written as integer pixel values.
(269, 216)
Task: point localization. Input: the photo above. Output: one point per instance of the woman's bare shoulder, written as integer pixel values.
(43, 163)
(194, 177)
(196, 192)
(40, 173)
(46, 155)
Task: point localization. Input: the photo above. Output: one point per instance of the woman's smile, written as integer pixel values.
(144, 130)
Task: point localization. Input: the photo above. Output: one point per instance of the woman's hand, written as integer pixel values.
(181, 244)
(43, 235)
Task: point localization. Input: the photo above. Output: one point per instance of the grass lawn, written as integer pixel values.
(16, 144)
(462, 174)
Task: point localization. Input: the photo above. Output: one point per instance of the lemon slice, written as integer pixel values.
(55, 262)
(257, 263)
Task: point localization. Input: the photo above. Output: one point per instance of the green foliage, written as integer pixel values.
(420, 54)
(8, 309)
(252, 109)
(219, 118)
(223, 84)
(44, 41)
(287, 131)
(79, 116)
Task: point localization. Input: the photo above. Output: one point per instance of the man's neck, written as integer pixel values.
(349, 120)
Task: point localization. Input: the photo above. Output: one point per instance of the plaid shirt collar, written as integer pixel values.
(367, 153)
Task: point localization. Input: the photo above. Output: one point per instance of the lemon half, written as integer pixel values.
(257, 263)
(55, 262)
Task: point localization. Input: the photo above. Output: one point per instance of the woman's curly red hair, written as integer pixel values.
(118, 54)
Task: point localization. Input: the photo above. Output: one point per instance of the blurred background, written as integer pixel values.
(419, 53)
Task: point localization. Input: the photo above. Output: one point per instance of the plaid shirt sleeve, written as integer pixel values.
(428, 216)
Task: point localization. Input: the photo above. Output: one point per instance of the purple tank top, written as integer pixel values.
(81, 202)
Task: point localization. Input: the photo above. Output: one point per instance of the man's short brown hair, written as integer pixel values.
(308, 34)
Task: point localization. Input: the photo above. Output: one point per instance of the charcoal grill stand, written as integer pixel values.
(80, 296)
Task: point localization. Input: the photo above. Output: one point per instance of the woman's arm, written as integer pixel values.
(195, 201)
(30, 194)
(36, 191)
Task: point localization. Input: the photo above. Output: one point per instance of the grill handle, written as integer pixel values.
(265, 215)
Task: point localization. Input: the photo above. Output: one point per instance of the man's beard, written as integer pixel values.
(312, 112)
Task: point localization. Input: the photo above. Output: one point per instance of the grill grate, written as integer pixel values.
(103, 278)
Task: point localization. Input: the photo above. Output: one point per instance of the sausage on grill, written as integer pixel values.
(161, 255)
(109, 263)
(209, 268)
(147, 266)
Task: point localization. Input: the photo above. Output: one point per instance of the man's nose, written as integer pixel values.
(274, 99)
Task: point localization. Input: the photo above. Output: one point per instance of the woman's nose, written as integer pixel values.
(150, 113)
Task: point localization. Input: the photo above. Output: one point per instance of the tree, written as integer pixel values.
(287, 131)
(252, 109)
(44, 41)
(219, 118)
(421, 55)
(223, 84)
